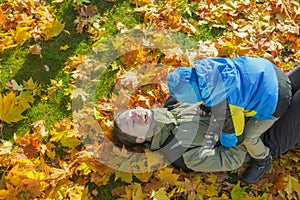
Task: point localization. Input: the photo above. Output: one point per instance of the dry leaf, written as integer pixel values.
(53, 29)
(35, 49)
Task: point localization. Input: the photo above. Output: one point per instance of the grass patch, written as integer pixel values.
(39, 111)
(17, 63)
(11, 61)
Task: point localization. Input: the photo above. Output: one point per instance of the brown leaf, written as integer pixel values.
(32, 186)
(13, 86)
(119, 191)
(153, 185)
(35, 49)
(87, 11)
(39, 127)
(189, 185)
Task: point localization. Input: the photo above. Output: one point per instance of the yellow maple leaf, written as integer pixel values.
(32, 86)
(160, 194)
(4, 194)
(53, 29)
(238, 192)
(292, 185)
(166, 176)
(71, 142)
(24, 99)
(144, 177)
(12, 192)
(137, 193)
(22, 34)
(10, 109)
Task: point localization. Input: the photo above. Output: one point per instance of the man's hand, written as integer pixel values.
(209, 140)
(228, 139)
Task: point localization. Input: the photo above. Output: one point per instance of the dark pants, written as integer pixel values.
(294, 76)
(285, 133)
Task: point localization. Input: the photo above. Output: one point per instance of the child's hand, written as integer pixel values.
(183, 85)
(204, 111)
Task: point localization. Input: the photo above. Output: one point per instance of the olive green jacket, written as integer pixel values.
(189, 128)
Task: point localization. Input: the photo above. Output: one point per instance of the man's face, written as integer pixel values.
(135, 122)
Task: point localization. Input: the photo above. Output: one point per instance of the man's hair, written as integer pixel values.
(121, 136)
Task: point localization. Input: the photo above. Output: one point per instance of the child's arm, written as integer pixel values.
(231, 120)
(183, 85)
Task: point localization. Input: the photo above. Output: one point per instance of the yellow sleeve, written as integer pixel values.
(238, 119)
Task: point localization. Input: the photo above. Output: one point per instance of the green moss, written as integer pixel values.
(122, 12)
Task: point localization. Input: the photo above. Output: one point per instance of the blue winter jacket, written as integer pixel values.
(249, 85)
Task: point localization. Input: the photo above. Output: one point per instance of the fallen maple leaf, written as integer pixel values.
(137, 192)
(160, 194)
(87, 11)
(53, 29)
(35, 49)
(70, 142)
(39, 127)
(5, 147)
(167, 176)
(12, 85)
(292, 185)
(22, 34)
(238, 192)
(10, 108)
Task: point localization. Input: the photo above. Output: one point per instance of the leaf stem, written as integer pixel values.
(1, 127)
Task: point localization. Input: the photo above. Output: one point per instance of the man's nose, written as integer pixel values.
(137, 114)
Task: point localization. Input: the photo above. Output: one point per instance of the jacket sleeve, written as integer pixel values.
(231, 118)
(183, 85)
(217, 159)
(200, 159)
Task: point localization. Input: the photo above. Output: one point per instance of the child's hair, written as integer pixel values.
(121, 136)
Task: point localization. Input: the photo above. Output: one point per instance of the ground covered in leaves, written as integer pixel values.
(132, 44)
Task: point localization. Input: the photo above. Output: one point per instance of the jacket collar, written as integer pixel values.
(161, 118)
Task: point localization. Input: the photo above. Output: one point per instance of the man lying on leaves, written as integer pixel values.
(189, 140)
(188, 134)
